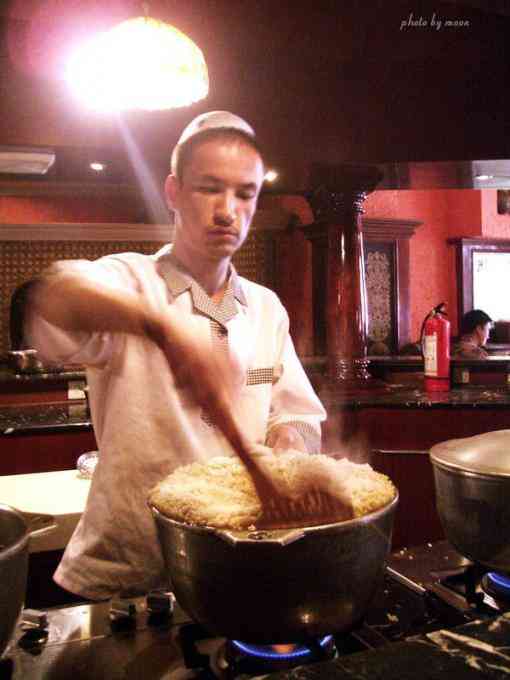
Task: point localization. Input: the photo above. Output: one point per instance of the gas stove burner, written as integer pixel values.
(242, 657)
(233, 659)
(291, 652)
(497, 585)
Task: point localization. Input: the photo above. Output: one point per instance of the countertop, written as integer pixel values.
(44, 417)
(9, 377)
(62, 495)
(476, 650)
(73, 415)
(412, 360)
(409, 397)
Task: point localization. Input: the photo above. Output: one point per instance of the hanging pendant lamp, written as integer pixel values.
(141, 63)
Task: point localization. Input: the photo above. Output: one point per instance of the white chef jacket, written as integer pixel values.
(146, 426)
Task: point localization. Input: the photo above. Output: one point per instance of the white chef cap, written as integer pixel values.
(206, 121)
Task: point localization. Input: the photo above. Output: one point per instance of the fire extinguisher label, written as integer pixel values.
(430, 354)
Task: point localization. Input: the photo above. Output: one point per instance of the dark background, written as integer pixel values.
(319, 80)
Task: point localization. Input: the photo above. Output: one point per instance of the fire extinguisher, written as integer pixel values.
(435, 345)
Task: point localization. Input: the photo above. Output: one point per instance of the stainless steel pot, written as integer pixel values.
(15, 531)
(277, 586)
(13, 570)
(472, 479)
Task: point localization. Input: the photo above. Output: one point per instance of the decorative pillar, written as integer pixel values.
(337, 203)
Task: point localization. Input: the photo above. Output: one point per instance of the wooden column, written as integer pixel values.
(394, 233)
(337, 203)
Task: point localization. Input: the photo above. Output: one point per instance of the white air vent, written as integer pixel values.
(20, 162)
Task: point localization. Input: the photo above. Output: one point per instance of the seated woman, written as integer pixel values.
(474, 327)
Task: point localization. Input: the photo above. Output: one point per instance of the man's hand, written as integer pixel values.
(284, 437)
(204, 373)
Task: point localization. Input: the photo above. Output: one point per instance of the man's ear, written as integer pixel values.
(171, 189)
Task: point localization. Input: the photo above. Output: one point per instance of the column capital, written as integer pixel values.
(340, 189)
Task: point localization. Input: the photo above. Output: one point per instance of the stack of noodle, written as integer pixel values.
(220, 493)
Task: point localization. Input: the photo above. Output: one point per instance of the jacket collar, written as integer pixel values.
(179, 280)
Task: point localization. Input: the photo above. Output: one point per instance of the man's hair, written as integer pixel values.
(472, 319)
(185, 150)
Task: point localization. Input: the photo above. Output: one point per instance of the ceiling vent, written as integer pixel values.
(23, 161)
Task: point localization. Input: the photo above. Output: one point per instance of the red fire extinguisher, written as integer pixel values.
(435, 344)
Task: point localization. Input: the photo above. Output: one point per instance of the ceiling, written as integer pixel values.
(365, 81)
(501, 7)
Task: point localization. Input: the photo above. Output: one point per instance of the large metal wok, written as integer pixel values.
(277, 586)
(15, 531)
(472, 479)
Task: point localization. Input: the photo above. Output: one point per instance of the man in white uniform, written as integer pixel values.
(171, 342)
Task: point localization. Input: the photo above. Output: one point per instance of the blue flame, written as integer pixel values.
(499, 582)
(265, 651)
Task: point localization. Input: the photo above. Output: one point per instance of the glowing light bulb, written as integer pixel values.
(141, 63)
(270, 176)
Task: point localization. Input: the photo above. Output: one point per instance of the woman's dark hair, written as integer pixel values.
(472, 319)
(19, 300)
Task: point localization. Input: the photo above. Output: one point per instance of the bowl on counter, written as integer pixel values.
(25, 361)
(86, 464)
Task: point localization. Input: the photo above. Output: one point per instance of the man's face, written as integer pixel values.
(483, 332)
(216, 198)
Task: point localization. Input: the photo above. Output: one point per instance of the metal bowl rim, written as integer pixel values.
(460, 469)
(343, 525)
(22, 541)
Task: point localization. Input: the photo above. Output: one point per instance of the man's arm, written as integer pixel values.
(296, 412)
(85, 307)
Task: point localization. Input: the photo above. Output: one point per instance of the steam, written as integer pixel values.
(344, 438)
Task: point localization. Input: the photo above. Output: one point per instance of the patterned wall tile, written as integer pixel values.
(21, 260)
(380, 277)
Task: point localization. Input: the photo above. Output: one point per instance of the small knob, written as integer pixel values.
(122, 613)
(160, 602)
(34, 624)
(34, 619)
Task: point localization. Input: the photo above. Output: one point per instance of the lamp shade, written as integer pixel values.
(142, 63)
